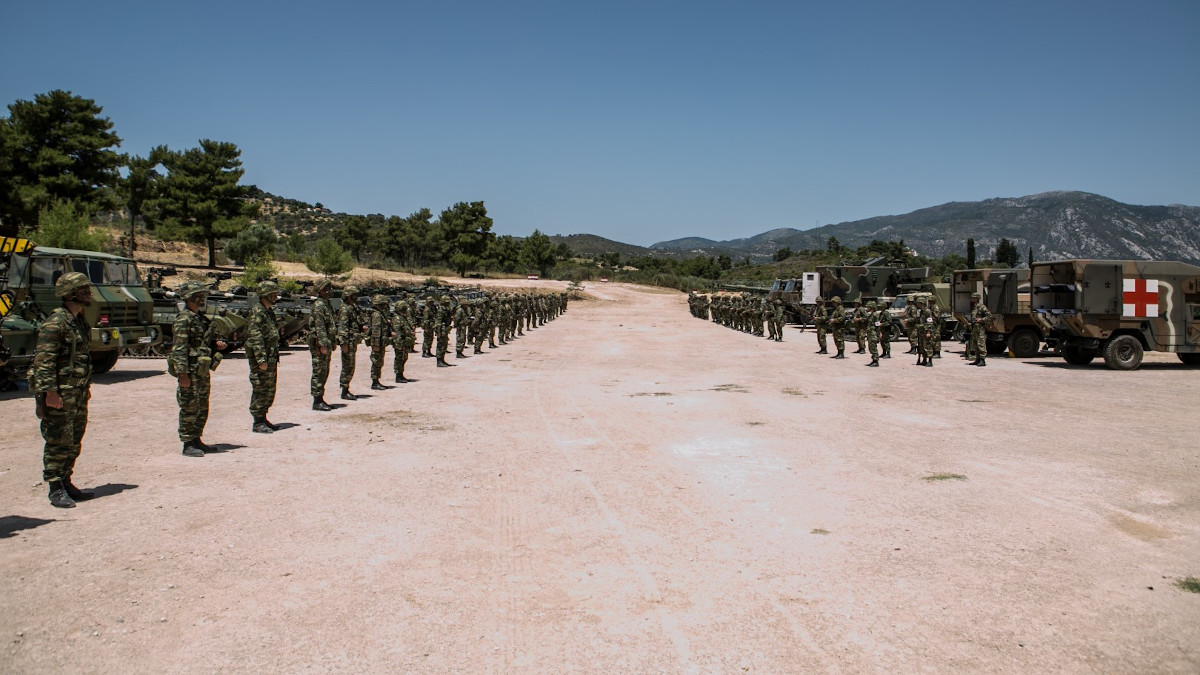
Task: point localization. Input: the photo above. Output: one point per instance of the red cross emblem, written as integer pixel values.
(1140, 297)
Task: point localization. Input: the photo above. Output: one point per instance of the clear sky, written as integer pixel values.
(643, 121)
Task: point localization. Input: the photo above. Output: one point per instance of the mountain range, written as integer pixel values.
(1057, 225)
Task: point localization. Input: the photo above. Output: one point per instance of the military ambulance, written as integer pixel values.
(1006, 294)
(1117, 309)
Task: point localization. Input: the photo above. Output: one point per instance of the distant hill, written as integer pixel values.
(1056, 225)
(590, 244)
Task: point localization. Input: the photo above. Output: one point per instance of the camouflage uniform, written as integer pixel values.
(779, 318)
(62, 363)
(925, 333)
(427, 327)
(911, 324)
(349, 334)
(980, 318)
(860, 328)
(461, 324)
(191, 355)
(837, 323)
(821, 322)
(379, 335)
(322, 334)
(871, 324)
(402, 338)
(441, 328)
(885, 331)
(262, 349)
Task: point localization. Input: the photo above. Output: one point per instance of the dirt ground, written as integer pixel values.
(625, 489)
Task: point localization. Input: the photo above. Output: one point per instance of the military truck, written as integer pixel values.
(1006, 294)
(1117, 309)
(121, 314)
(930, 291)
(799, 296)
(868, 281)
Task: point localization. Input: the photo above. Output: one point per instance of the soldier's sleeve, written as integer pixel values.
(256, 347)
(43, 373)
(178, 358)
(340, 325)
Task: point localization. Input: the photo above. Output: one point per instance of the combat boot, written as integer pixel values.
(460, 355)
(980, 362)
(261, 426)
(840, 355)
(377, 386)
(347, 396)
(401, 378)
(928, 362)
(822, 350)
(190, 449)
(441, 363)
(874, 363)
(860, 350)
(77, 494)
(58, 496)
(477, 351)
(320, 404)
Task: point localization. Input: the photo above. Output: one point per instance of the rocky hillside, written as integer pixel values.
(1055, 224)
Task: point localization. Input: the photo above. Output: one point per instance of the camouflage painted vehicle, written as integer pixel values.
(930, 291)
(1118, 309)
(799, 296)
(167, 306)
(868, 281)
(1006, 294)
(121, 315)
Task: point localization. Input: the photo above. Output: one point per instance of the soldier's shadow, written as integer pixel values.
(109, 489)
(9, 525)
(218, 448)
(280, 426)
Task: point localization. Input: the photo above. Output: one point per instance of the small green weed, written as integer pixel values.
(1189, 584)
(944, 476)
(819, 531)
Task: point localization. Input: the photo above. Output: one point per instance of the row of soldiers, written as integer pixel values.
(757, 316)
(874, 326)
(60, 375)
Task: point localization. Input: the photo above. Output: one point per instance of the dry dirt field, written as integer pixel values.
(626, 489)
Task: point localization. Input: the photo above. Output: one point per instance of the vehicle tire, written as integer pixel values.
(1024, 343)
(1077, 356)
(1190, 359)
(1123, 352)
(102, 362)
(960, 334)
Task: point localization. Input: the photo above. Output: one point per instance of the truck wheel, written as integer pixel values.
(1077, 356)
(1024, 343)
(1123, 352)
(1190, 359)
(102, 362)
(959, 334)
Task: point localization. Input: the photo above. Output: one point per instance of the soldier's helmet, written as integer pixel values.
(837, 300)
(69, 283)
(976, 296)
(444, 298)
(870, 305)
(350, 291)
(401, 305)
(321, 285)
(379, 300)
(920, 300)
(267, 288)
(190, 288)
(820, 299)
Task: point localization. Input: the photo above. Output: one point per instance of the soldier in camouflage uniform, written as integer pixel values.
(979, 318)
(860, 327)
(768, 314)
(821, 322)
(871, 329)
(61, 376)
(837, 324)
(462, 323)
(402, 338)
(322, 340)
(441, 328)
(884, 319)
(262, 353)
(925, 330)
(779, 318)
(192, 361)
(349, 334)
(379, 336)
(911, 324)
(935, 308)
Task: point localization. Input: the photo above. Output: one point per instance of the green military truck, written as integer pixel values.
(121, 314)
(1118, 309)
(1006, 294)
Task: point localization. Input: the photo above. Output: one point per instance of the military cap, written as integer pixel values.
(322, 285)
(400, 304)
(379, 300)
(350, 290)
(189, 288)
(976, 296)
(69, 283)
(837, 300)
(268, 287)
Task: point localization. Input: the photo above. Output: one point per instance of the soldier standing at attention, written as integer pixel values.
(349, 328)
(935, 308)
(821, 321)
(884, 320)
(925, 334)
(191, 361)
(427, 327)
(860, 327)
(322, 340)
(871, 328)
(402, 338)
(262, 353)
(441, 327)
(379, 335)
(462, 322)
(61, 376)
(912, 322)
(980, 318)
(780, 320)
(837, 322)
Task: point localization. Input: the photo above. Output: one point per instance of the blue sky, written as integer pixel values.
(643, 121)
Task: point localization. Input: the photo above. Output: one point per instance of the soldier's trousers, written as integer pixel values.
(859, 337)
(401, 357)
(348, 353)
(839, 338)
(320, 371)
(979, 341)
(443, 342)
(925, 344)
(885, 344)
(821, 334)
(262, 389)
(873, 344)
(63, 430)
(193, 407)
(460, 339)
(779, 324)
(426, 340)
(377, 356)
